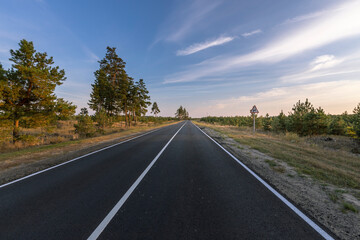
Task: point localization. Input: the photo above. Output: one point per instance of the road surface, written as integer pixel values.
(173, 183)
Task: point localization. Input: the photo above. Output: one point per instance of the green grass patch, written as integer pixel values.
(349, 207)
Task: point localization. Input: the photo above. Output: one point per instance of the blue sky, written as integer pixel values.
(215, 57)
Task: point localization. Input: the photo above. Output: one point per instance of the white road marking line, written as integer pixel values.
(117, 207)
(276, 193)
(72, 160)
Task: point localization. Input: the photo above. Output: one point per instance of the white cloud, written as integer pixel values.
(327, 66)
(323, 62)
(204, 45)
(305, 17)
(340, 23)
(248, 34)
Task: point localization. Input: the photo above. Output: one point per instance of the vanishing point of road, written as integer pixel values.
(171, 183)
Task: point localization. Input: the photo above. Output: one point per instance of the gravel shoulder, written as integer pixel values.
(314, 198)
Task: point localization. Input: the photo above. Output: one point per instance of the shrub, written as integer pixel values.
(337, 126)
(279, 123)
(266, 123)
(102, 120)
(356, 120)
(85, 126)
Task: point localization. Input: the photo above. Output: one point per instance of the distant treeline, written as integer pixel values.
(304, 119)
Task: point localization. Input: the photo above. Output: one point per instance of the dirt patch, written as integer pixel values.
(323, 202)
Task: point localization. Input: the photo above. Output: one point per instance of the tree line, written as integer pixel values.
(303, 119)
(28, 99)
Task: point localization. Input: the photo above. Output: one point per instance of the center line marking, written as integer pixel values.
(117, 207)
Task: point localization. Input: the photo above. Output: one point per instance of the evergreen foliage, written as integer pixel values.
(85, 126)
(114, 92)
(64, 110)
(155, 109)
(181, 113)
(27, 89)
(266, 123)
(356, 120)
(304, 120)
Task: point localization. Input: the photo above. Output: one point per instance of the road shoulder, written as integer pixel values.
(305, 192)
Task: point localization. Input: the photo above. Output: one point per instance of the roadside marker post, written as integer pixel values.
(254, 111)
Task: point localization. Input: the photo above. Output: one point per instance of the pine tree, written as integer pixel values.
(64, 110)
(155, 109)
(28, 90)
(143, 98)
(181, 113)
(109, 79)
(267, 122)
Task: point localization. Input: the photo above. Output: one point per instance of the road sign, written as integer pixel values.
(254, 110)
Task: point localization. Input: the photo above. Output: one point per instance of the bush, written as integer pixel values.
(85, 126)
(29, 139)
(102, 120)
(337, 126)
(356, 120)
(266, 123)
(279, 123)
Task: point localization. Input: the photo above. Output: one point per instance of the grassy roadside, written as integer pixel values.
(25, 156)
(336, 167)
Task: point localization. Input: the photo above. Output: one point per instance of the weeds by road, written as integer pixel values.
(339, 166)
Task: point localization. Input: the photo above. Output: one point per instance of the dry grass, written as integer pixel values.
(64, 131)
(62, 140)
(337, 166)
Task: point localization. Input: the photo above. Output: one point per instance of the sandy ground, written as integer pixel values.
(307, 194)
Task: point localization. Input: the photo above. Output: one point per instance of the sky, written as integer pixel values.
(214, 57)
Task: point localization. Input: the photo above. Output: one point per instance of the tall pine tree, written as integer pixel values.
(28, 88)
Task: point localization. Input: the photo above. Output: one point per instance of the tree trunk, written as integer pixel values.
(16, 130)
(134, 116)
(126, 119)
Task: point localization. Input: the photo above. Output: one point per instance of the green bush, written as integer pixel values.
(85, 126)
(266, 123)
(356, 120)
(102, 120)
(337, 126)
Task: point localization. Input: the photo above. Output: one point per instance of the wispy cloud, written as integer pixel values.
(185, 19)
(248, 34)
(323, 62)
(92, 56)
(334, 26)
(305, 17)
(327, 66)
(203, 45)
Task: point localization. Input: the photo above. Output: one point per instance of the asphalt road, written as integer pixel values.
(174, 183)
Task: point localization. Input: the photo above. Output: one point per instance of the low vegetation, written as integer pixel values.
(303, 120)
(329, 161)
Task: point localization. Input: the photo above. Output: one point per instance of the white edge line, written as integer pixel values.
(276, 193)
(72, 160)
(96, 233)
